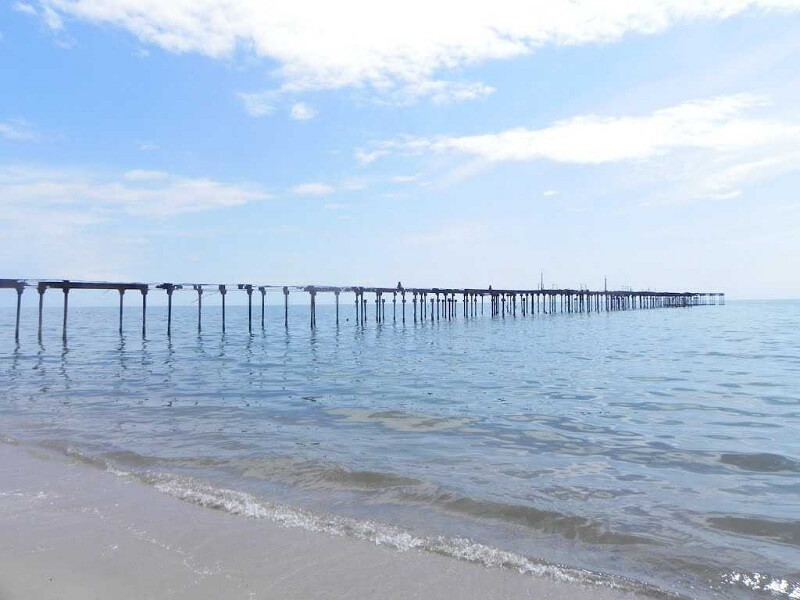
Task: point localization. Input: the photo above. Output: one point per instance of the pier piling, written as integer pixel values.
(121, 296)
(441, 302)
(223, 290)
(66, 302)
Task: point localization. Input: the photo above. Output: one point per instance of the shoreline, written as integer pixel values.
(70, 530)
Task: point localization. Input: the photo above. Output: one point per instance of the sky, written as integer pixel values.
(449, 144)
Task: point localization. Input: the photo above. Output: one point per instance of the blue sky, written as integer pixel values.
(449, 144)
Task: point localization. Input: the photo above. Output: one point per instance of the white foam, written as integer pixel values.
(759, 582)
(241, 503)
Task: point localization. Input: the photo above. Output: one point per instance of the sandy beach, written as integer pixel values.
(71, 530)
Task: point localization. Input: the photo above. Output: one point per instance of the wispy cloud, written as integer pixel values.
(448, 234)
(95, 197)
(714, 124)
(550, 193)
(312, 189)
(17, 130)
(301, 111)
(259, 104)
(439, 92)
(318, 45)
(144, 175)
(404, 178)
(24, 7)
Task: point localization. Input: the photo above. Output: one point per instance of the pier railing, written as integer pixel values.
(426, 303)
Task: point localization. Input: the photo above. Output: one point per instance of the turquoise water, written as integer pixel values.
(655, 446)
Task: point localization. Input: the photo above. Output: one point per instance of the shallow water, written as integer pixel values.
(657, 445)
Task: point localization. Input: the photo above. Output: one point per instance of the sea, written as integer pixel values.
(651, 450)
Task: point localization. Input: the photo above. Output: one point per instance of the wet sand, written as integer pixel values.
(69, 530)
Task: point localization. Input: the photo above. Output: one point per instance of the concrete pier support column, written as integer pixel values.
(41, 289)
(144, 313)
(169, 289)
(66, 303)
(363, 309)
(223, 290)
(199, 290)
(20, 289)
(313, 307)
(263, 291)
(121, 296)
(249, 289)
(286, 307)
(336, 296)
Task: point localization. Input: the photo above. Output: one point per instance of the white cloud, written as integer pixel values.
(404, 178)
(550, 193)
(335, 206)
(442, 92)
(24, 7)
(148, 146)
(144, 175)
(92, 197)
(714, 124)
(449, 234)
(17, 130)
(312, 189)
(258, 104)
(301, 111)
(325, 45)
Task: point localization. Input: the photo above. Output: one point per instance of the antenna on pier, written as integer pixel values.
(605, 284)
(541, 280)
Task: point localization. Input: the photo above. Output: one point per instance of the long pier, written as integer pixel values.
(426, 303)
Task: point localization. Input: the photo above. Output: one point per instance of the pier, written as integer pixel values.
(406, 303)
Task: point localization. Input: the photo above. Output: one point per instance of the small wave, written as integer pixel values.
(759, 582)
(400, 421)
(763, 462)
(241, 503)
(786, 532)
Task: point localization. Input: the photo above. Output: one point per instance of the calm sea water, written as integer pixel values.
(660, 446)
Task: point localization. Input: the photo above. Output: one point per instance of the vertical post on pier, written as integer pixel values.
(414, 302)
(169, 311)
(249, 289)
(363, 308)
(403, 302)
(394, 307)
(199, 291)
(19, 308)
(66, 302)
(223, 290)
(263, 291)
(41, 289)
(286, 307)
(336, 295)
(313, 304)
(121, 294)
(377, 307)
(144, 312)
